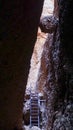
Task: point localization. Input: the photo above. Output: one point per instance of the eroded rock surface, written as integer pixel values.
(48, 24)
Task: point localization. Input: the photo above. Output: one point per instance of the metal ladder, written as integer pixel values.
(34, 110)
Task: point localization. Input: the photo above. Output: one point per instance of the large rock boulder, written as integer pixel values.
(48, 24)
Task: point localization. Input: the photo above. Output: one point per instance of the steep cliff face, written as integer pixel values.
(66, 26)
(48, 76)
(64, 118)
(56, 72)
(19, 22)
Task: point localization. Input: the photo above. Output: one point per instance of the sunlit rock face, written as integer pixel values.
(19, 22)
(38, 48)
(39, 68)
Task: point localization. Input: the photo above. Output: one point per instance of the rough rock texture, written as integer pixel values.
(66, 26)
(48, 76)
(26, 112)
(38, 48)
(17, 37)
(56, 8)
(56, 73)
(33, 128)
(64, 113)
(48, 24)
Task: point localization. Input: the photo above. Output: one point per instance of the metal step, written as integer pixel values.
(36, 114)
(34, 117)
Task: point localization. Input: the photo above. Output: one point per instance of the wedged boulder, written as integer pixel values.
(48, 24)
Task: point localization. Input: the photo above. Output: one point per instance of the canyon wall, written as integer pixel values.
(56, 72)
(19, 23)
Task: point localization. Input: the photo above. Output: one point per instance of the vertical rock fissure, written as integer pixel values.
(54, 81)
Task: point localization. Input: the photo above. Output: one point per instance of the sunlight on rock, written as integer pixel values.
(48, 8)
(34, 84)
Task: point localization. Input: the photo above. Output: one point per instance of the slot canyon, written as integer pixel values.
(49, 71)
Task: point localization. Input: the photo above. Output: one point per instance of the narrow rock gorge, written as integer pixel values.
(54, 76)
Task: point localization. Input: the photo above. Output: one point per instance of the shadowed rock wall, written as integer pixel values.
(19, 22)
(56, 73)
(66, 26)
(64, 113)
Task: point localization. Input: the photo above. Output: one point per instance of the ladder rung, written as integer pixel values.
(34, 114)
(34, 103)
(34, 100)
(34, 117)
